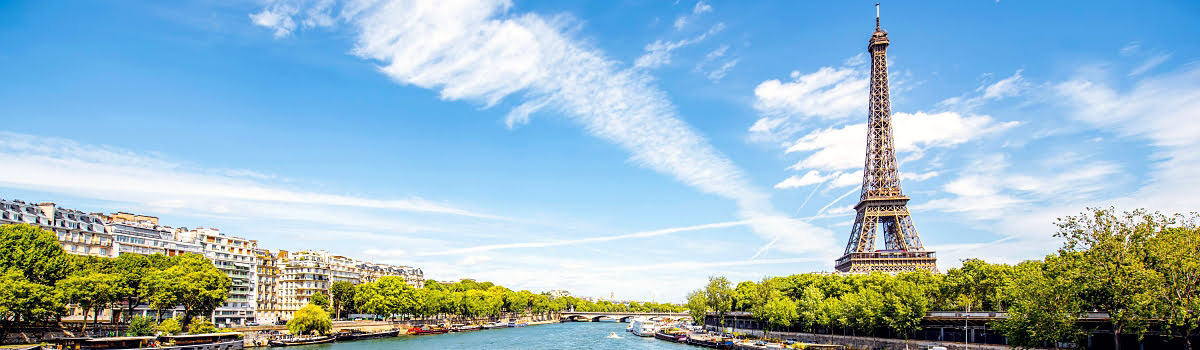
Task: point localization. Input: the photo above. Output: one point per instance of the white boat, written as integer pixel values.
(613, 335)
(643, 327)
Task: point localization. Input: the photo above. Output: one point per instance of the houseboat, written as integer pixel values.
(643, 327)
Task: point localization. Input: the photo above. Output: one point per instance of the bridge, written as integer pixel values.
(620, 316)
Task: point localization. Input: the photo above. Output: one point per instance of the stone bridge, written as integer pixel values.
(620, 316)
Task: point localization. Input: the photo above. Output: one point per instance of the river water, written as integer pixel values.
(572, 335)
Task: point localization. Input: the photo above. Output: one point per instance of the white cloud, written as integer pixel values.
(1150, 63)
(658, 53)
(701, 7)
(717, 74)
(1007, 87)
(918, 176)
(681, 22)
(841, 148)
(557, 243)
(479, 51)
(809, 178)
(278, 17)
(827, 93)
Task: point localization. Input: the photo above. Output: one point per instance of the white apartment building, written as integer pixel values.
(301, 274)
(79, 233)
(267, 304)
(370, 272)
(141, 234)
(236, 257)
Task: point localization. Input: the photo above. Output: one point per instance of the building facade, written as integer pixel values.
(267, 301)
(79, 233)
(237, 258)
(140, 234)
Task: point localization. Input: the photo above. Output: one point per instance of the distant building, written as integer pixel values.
(140, 234)
(558, 293)
(267, 299)
(79, 233)
(370, 272)
(236, 257)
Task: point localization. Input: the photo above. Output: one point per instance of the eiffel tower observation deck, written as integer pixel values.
(882, 206)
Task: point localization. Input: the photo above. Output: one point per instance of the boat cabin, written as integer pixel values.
(103, 343)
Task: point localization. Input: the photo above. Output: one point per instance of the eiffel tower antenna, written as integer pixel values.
(882, 205)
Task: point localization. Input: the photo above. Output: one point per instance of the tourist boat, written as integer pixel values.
(295, 341)
(465, 328)
(675, 336)
(494, 325)
(644, 327)
(212, 341)
(427, 329)
(358, 334)
(711, 342)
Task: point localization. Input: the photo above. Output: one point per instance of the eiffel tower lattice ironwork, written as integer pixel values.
(882, 205)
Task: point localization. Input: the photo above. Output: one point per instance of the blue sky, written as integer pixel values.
(631, 148)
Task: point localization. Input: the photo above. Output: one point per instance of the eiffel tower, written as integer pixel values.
(882, 205)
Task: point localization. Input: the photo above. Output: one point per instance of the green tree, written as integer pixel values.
(130, 270)
(171, 326)
(33, 251)
(904, 305)
(719, 295)
(1044, 303)
(141, 326)
(310, 319)
(343, 297)
(778, 311)
(319, 299)
(697, 305)
(191, 282)
(201, 325)
(1113, 251)
(744, 296)
(24, 301)
(88, 291)
(1175, 254)
(808, 308)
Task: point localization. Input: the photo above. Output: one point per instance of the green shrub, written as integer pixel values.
(142, 326)
(201, 325)
(170, 326)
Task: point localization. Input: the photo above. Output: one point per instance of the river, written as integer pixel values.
(572, 335)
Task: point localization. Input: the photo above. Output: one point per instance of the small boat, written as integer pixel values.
(301, 341)
(613, 335)
(357, 334)
(427, 329)
(644, 327)
(674, 336)
(465, 328)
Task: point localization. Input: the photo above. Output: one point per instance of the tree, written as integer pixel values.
(744, 296)
(778, 311)
(719, 295)
(319, 299)
(201, 325)
(192, 282)
(904, 305)
(141, 326)
(310, 319)
(1112, 255)
(24, 301)
(171, 326)
(808, 308)
(88, 292)
(33, 251)
(697, 305)
(343, 296)
(1175, 254)
(130, 270)
(1044, 303)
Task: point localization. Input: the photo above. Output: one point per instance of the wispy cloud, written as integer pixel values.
(479, 51)
(556, 243)
(658, 53)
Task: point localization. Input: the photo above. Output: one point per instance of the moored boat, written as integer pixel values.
(427, 329)
(644, 327)
(675, 336)
(295, 341)
(358, 334)
(212, 341)
(465, 328)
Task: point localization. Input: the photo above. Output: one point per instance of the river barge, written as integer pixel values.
(426, 330)
(358, 334)
(211, 341)
(671, 336)
(296, 341)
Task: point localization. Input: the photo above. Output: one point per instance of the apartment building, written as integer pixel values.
(302, 273)
(237, 258)
(267, 301)
(79, 233)
(141, 234)
(370, 272)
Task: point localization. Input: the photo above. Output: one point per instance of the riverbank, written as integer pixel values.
(254, 336)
